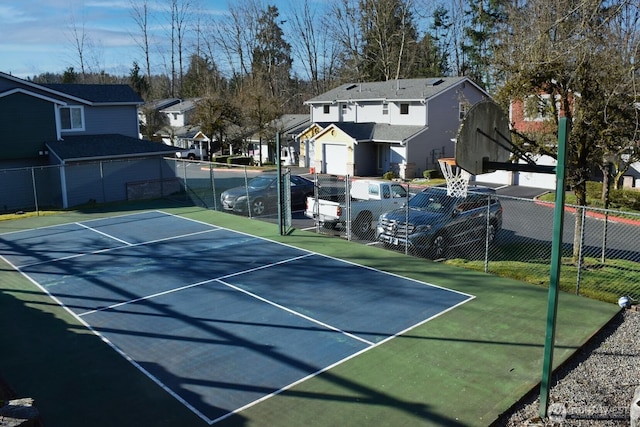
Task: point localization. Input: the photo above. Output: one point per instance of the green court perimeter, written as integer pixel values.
(465, 367)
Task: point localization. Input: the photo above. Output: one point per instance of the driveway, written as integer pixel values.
(520, 192)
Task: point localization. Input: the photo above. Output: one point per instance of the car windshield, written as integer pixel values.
(431, 201)
(260, 182)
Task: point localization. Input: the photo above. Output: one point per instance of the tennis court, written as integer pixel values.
(219, 319)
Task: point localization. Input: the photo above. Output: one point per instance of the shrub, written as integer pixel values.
(240, 160)
(428, 173)
(389, 175)
(219, 159)
(625, 198)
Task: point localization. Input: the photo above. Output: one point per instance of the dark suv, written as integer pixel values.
(435, 222)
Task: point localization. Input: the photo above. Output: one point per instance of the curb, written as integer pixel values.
(597, 215)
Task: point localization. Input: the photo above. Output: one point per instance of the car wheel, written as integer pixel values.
(362, 224)
(191, 157)
(439, 247)
(257, 207)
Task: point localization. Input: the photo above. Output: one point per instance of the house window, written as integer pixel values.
(71, 118)
(537, 108)
(463, 108)
(325, 109)
(344, 108)
(385, 109)
(404, 108)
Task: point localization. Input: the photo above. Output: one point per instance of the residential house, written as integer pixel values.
(154, 107)
(533, 115)
(401, 125)
(62, 124)
(180, 127)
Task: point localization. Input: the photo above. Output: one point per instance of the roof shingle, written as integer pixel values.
(106, 146)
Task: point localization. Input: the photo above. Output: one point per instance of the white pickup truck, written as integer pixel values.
(197, 150)
(369, 199)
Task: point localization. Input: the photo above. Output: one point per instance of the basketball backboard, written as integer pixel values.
(483, 137)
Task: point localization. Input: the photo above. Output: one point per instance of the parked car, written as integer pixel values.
(261, 194)
(435, 222)
(369, 198)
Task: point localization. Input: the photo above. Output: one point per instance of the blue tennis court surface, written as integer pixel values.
(218, 318)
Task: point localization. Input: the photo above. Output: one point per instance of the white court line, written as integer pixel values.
(129, 245)
(296, 313)
(105, 234)
(332, 257)
(265, 397)
(204, 282)
(45, 227)
(113, 346)
(339, 362)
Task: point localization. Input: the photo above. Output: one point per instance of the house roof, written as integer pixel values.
(182, 106)
(98, 93)
(160, 104)
(289, 125)
(287, 122)
(374, 132)
(182, 132)
(384, 132)
(32, 94)
(95, 147)
(89, 93)
(392, 90)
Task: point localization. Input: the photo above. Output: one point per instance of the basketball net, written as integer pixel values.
(457, 178)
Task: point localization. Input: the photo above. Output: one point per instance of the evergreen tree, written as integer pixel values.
(439, 39)
(271, 59)
(69, 76)
(202, 78)
(138, 82)
(487, 19)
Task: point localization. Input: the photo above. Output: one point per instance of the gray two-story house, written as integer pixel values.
(400, 125)
(64, 124)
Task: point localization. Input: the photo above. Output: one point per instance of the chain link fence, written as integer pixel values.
(486, 231)
(497, 234)
(82, 183)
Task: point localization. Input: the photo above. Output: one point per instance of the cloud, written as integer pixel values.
(14, 15)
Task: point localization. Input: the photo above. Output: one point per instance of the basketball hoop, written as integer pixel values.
(457, 178)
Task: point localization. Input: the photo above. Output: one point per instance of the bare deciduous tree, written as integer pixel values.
(313, 46)
(140, 14)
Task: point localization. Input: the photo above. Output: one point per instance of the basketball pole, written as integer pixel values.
(279, 186)
(556, 261)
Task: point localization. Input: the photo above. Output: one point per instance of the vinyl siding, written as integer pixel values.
(27, 122)
(109, 120)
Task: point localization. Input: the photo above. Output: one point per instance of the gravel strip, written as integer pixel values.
(594, 388)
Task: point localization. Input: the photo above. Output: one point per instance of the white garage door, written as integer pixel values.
(335, 159)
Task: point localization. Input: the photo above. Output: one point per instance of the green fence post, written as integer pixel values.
(556, 260)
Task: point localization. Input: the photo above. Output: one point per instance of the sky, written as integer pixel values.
(38, 35)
